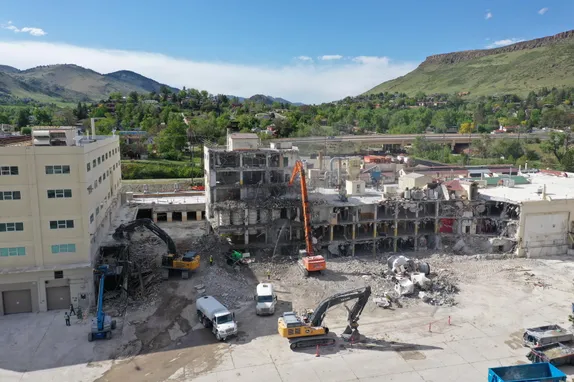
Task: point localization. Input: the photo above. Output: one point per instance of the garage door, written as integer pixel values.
(17, 301)
(549, 229)
(58, 297)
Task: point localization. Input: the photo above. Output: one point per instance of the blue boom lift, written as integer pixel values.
(102, 324)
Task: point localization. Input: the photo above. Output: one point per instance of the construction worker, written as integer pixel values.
(67, 318)
(72, 311)
(268, 275)
(211, 260)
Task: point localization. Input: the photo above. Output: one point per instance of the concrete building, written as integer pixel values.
(58, 192)
(247, 199)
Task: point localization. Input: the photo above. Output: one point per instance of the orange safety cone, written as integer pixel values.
(317, 352)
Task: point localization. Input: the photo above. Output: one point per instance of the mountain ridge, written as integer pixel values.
(517, 68)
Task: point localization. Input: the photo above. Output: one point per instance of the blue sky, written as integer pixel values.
(266, 47)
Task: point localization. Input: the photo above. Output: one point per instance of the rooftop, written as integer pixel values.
(166, 199)
(39, 128)
(557, 188)
(243, 136)
(331, 197)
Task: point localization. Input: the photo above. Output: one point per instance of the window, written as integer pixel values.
(58, 274)
(8, 170)
(99, 160)
(64, 248)
(11, 227)
(95, 184)
(97, 211)
(100, 180)
(102, 159)
(58, 194)
(106, 155)
(10, 195)
(104, 176)
(88, 166)
(57, 169)
(91, 218)
(16, 251)
(59, 224)
(94, 163)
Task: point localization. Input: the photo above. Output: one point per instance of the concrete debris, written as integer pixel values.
(382, 302)
(404, 287)
(420, 280)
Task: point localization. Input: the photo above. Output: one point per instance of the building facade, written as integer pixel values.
(58, 193)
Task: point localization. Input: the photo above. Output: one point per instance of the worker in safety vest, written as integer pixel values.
(210, 260)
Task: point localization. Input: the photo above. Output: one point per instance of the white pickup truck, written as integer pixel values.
(213, 314)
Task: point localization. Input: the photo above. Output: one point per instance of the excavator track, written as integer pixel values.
(307, 342)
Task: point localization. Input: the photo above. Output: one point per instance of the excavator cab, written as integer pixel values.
(315, 263)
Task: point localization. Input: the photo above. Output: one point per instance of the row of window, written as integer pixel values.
(61, 224)
(15, 251)
(58, 194)
(57, 169)
(21, 251)
(64, 248)
(50, 170)
(11, 227)
(8, 170)
(10, 195)
(54, 224)
(103, 177)
(101, 159)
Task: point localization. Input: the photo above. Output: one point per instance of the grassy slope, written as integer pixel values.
(515, 72)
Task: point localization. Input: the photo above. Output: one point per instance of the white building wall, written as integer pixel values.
(35, 209)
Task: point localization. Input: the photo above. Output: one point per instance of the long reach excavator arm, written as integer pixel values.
(300, 170)
(309, 262)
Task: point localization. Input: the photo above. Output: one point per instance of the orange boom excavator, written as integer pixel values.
(309, 262)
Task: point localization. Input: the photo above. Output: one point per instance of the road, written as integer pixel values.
(404, 139)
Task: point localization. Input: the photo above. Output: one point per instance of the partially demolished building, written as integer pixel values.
(249, 201)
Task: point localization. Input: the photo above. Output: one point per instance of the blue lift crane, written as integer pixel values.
(102, 324)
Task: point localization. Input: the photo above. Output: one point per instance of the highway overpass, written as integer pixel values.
(405, 139)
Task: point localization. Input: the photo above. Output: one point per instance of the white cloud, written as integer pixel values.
(304, 58)
(37, 32)
(542, 11)
(371, 60)
(329, 57)
(505, 42)
(488, 15)
(310, 83)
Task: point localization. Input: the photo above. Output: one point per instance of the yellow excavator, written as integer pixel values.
(173, 261)
(307, 330)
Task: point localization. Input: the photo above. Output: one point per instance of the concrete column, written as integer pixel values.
(169, 216)
(332, 233)
(416, 236)
(437, 220)
(246, 236)
(184, 216)
(396, 234)
(154, 215)
(197, 215)
(353, 231)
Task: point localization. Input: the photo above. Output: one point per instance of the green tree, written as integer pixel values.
(23, 118)
(173, 139)
(43, 116)
(557, 144)
(26, 131)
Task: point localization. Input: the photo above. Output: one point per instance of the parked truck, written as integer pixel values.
(536, 372)
(215, 316)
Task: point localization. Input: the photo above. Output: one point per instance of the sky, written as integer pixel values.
(303, 51)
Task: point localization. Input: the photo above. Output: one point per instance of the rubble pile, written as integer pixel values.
(227, 284)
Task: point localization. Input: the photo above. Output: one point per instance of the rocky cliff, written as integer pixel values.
(452, 58)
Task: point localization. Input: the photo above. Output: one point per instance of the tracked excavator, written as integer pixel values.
(173, 261)
(309, 262)
(307, 330)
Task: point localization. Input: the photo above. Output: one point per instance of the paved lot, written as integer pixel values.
(485, 331)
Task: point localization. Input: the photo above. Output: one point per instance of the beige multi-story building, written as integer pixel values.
(58, 192)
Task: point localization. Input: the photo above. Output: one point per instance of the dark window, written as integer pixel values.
(58, 274)
(8, 170)
(88, 167)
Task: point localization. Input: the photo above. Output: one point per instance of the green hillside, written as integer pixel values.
(518, 69)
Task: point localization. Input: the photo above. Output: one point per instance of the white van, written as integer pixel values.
(265, 299)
